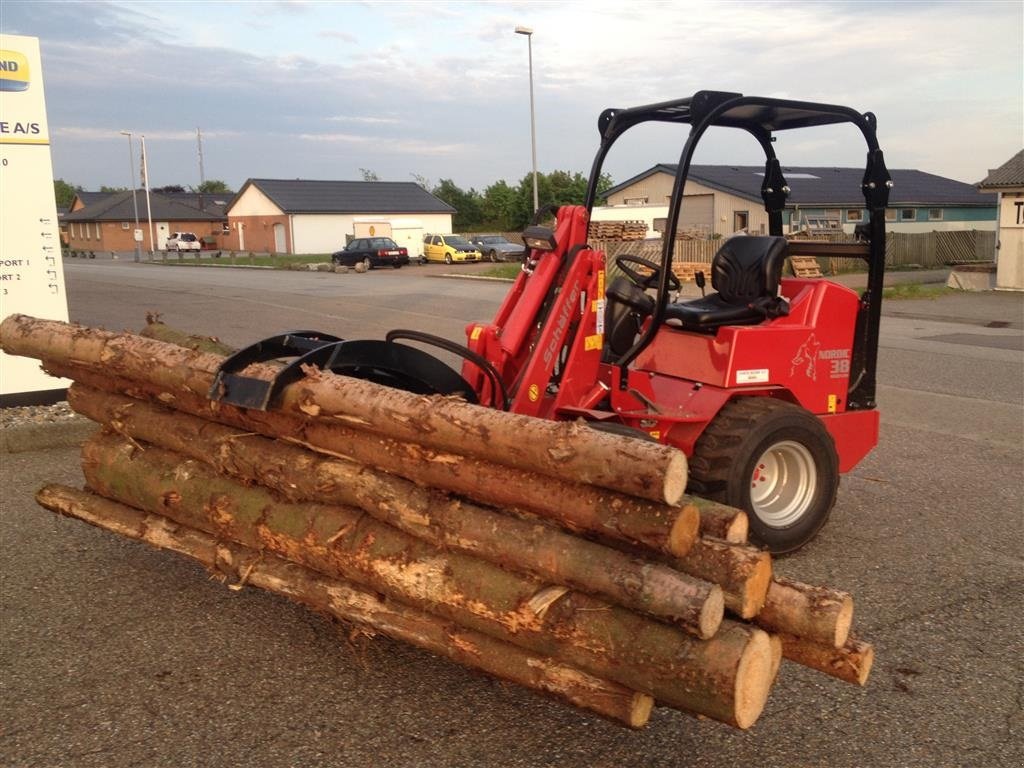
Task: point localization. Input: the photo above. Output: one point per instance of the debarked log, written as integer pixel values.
(727, 677)
(348, 603)
(851, 663)
(302, 475)
(636, 467)
(819, 614)
(576, 506)
(742, 572)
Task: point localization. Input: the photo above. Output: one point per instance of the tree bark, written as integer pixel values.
(742, 572)
(851, 663)
(726, 677)
(636, 467)
(348, 603)
(156, 329)
(575, 506)
(301, 475)
(818, 614)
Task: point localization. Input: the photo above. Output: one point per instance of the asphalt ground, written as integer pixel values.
(114, 654)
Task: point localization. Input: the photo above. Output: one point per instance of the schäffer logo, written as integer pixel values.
(14, 74)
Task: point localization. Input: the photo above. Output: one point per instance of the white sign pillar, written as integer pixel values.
(31, 272)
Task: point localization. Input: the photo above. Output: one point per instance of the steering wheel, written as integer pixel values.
(650, 281)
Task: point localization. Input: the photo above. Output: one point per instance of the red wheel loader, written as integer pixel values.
(767, 383)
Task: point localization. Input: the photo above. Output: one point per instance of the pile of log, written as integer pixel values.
(564, 559)
(617, 230)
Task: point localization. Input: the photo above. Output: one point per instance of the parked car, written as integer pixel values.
(374, 251)
(497, 248)
(449, 248)
(183, 241)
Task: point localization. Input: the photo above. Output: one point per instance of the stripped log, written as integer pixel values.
(727, 677)
(301, 475)
(742, 572)
(818, 614)
(636, 467)
(719, 521)
(851, 663)
(577, 507)
(348, 603)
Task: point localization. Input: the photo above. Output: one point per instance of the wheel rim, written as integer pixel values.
(783, 483)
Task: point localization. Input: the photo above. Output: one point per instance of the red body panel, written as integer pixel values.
(547, 341)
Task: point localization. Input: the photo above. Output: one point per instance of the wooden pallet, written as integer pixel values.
(805, 266)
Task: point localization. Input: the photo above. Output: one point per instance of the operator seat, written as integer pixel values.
(746, 272)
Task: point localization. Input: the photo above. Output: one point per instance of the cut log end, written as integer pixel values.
(676, 477)
(844, 619)
(756, 588)
(684, 531)
(754, 678)
(712, 612)
(640, 710)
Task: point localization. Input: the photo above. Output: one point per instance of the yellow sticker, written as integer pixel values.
(475, 333)
(833, 403)
(656, 434)
(600, 283)
(14, 73)
(533, 393)
(593, 342)
(593, 306)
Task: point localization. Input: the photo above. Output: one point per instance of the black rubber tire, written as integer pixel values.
(724, 458)
(493, 255)
(447, 258)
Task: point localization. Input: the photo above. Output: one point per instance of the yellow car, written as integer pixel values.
(449, 248)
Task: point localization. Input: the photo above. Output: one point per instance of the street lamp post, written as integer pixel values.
(528, 31)
(135, 204)
(149, 208)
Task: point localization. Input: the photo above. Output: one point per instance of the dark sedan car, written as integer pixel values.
(373, 251)
(497, 248)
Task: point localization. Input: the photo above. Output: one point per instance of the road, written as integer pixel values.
(116, 655)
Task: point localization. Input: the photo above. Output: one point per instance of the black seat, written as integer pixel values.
(746, 272)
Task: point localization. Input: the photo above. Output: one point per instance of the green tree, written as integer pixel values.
(468, 205)
(422, 180)
(499, 206)
(214, 187)
(64, 193)
(170, 189)
(369, 175)
(555, 188)
(111, 190)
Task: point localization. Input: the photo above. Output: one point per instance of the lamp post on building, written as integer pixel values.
(528, 31)
(135, 204)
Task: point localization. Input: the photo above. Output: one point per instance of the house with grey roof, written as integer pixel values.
(105, 221)
(722, 199)
(1007, 181)
(312, 216)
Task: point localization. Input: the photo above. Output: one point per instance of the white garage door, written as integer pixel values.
(697, 213)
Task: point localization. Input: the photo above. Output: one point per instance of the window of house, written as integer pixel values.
(833, 213)
(890, 214)
(908, 214)
(636, 201)
(660, 225)
(934, 214)
(740, 220)
(854, 214)
(98, 230)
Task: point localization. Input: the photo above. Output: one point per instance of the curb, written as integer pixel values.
(485, 278)
(22, 438)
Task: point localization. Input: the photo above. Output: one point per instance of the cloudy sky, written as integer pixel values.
(441, 90)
